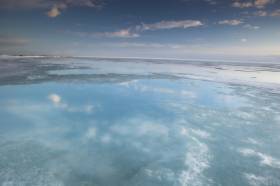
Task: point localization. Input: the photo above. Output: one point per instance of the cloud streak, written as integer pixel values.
(252, 4)
(170, 25)
(135, 31)
(274, 13)
(124, 33)
(232, 22)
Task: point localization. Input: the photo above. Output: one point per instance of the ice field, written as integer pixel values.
(138, 122)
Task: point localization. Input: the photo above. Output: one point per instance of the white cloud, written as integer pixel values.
(54, 11)
(46, 3)
(124, 33)
(244, 40)
(57, 102)
(54, 98)
(262, 3)
(238, 4)
(249, 4)
(274, 13)
(135, 31)
(58, 7)
(171, 25)
(232, 22)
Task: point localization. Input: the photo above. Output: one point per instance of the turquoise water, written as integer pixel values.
(142, 132)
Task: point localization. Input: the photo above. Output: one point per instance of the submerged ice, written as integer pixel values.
(129, 128)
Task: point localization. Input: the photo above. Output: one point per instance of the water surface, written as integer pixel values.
(67, 127)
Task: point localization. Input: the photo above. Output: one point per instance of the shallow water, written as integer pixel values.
(137, 130)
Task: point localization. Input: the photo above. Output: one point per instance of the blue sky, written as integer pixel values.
(141, 28)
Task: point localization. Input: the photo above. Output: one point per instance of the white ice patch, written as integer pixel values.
(265, 159)
(244, 115)
(253, 141)
(128, 84)
(255, 180)
(200, 133)
(196, 132)
(196, 161)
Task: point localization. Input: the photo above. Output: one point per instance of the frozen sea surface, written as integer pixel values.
(124, 122)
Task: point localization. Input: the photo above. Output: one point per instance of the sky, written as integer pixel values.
(182, 29)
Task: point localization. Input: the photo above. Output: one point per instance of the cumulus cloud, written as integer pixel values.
(262, 3)
(135, 31)
(54, 6)
(59, 103)
(232, 22)
(54, 11)
(54, 98)
(249, 4)
(274, 13)
(238, 4)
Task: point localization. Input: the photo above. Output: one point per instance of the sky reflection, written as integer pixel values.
(139, 132)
